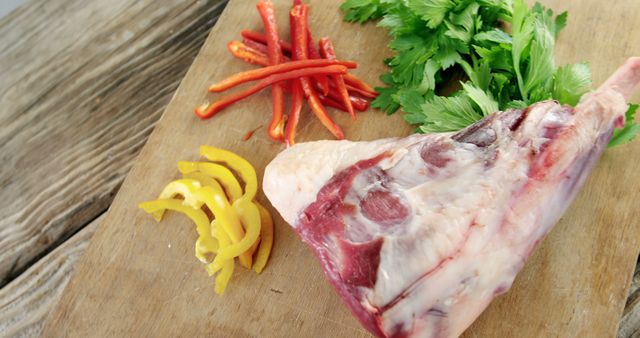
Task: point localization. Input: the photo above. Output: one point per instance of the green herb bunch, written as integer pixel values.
(503, 49)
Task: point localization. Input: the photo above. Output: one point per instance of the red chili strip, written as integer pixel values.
(250, 133)
(245, 53)
(329, 53)
(363, 93)
(327, 101)
(299, 39)
(297, 100)
(261, 38)
(261, 73)
(207, 111)
(361, 86)
(359, 104)
(323, 81)
(255, 45)
(274, 52)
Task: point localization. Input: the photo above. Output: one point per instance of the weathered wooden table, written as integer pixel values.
(82, 84)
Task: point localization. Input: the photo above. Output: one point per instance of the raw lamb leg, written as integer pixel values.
(419, 234)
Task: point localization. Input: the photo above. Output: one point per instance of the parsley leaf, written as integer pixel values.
(483, 99)
(446, 114)
(362, 10)
(571, 82)
(630, 130)
(437, 43)
(431, 11)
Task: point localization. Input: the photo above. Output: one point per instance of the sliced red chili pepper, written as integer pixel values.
(250, 55)
(360, 92)
(276, 127)
(328, 52)
(245, 53)
(267, 13)
(297, 100)
(299, 37)
(323, 81)
(207, 111)
(299, 42)
(255, 45)
(327, 101)
(261, 73)
(261, 38)
(359, 104)
(250, 133)
(319, 110)
(359, 86)
(274, 52)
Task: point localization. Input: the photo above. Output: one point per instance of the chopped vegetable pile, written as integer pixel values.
(437, 41)
(300, 68)
(238, 227)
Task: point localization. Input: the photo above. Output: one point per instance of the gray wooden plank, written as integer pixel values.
(83, 83)
(7, 6)
(28, 299)
(630, 322)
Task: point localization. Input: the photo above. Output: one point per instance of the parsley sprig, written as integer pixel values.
(439, 41)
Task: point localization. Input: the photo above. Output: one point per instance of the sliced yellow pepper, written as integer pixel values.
(202, 251)
(266, 239)
(182, 188)
(254, 248)
(241, 226)
(222, 280)
(196, 215)
(222, 174)
(236, 162)
(246, 209)
(228, 220)
(203, 179)
(195, 195)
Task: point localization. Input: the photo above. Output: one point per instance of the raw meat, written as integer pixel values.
(419, 234)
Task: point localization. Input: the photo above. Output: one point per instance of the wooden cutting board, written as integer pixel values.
(139, 278)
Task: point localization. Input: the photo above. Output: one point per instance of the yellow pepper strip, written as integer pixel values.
(234, 161)
(254, 247)
(222, 280)
(195, 195)
(245, 208)
(242, 227)
(201, 252)
(182, 188)
(248, 213)
(196, 215)
(216, 171)
(266, 239)
(250, 216)
(203, 179)
(227, 220)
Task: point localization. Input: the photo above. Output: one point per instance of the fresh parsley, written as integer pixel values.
(630, 130)
(437, 42)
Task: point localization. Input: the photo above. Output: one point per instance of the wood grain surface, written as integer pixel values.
(630, 322)
(78, 98)
(28, 299)
(615, 35)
